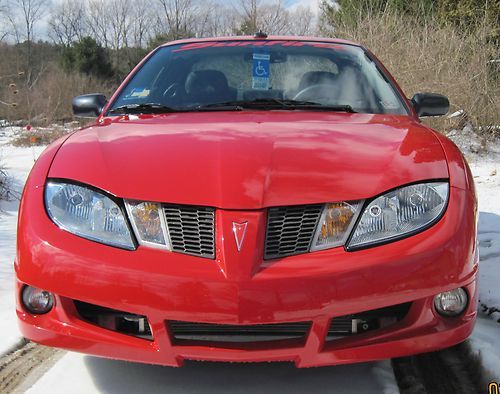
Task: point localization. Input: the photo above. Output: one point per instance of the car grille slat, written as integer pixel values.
(191, 229)
(290, 230)
(207, 332)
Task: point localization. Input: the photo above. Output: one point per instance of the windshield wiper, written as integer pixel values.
(273, 103)
(278, 103)
(145, 108)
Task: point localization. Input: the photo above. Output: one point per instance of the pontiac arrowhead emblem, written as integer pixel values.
(239, 230)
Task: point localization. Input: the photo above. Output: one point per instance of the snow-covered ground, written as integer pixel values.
(99, 375)
(18, 162)
(484, 160)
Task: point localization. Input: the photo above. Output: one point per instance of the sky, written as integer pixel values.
(313, 4)
(41, 28)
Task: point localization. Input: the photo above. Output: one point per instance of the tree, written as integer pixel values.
(273, 17)
(88, 57)
(142, 20)
(30, 12)
(118, 13)
(302, 22)
(3, 32)
(180, 17)
(249, 12)
(469, 12)
(68, 22)
(463, 14)
(351, 12)
(97, 21)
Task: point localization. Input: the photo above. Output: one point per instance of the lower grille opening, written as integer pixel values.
(187, 332)
(359, 323)
(112, 319)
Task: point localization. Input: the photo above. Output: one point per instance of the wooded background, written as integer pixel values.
(53, 50)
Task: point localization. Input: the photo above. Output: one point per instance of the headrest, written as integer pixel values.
(206, 81)
(316, 78)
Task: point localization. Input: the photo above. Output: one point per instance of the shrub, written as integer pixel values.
(48, 100)
(4, 185)
(426, 55)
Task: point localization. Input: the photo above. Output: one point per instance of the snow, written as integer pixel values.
(484, 160)
(107, 376)
(485, 341)
(18, 162)
(489, 250)
(101, 375)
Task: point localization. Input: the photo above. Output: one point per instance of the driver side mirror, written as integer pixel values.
(430, 104)
(89, 105)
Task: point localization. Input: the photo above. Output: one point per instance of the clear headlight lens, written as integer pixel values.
(149, 223)
(87, 213)
(400, 212)
(335, 224)
(451, 303)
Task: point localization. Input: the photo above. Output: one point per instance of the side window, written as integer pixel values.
(387, 99)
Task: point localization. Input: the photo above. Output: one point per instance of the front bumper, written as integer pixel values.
(241, 288)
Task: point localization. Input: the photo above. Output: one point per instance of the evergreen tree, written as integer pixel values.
(87, 57)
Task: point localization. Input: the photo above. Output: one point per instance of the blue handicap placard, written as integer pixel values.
(260, 70)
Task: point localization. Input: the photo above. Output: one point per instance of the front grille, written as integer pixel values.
(187, 331)
(358, 323)
(112, 319)
(191, 229)
(290, 230)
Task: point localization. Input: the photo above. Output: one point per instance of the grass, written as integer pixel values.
(427, 56)
(39, 137)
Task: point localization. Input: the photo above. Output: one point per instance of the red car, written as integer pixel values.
(251, 199)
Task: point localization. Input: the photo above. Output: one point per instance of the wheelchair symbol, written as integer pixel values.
(260, 70)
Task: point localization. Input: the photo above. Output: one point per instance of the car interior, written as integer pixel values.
(195, 80)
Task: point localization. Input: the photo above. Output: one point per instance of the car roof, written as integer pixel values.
(256, 38)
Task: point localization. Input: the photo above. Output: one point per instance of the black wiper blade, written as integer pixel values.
(224, 106)
(145, 108)
(278, 103)
(261, 102)
(333, 108)
(300, 104)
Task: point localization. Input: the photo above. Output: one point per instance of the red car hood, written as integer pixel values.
(250, 160)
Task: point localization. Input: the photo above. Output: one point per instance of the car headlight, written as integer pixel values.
(87, 213)
(400, 213)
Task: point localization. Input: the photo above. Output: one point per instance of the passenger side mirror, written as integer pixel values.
(430, 104)
(89, 105)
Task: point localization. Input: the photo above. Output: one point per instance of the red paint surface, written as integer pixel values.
(241, 163)
(251, 160)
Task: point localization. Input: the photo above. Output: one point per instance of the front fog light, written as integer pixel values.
(37, 301)
(451, 303)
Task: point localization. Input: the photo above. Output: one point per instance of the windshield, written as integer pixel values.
(259, 74)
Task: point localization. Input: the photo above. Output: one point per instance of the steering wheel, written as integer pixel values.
(316, 92)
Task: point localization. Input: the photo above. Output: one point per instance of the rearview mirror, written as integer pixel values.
(430, 104)
(89, 105)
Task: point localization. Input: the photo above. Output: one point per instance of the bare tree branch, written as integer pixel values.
(31, 12)
(98, 22)
(68, 22)
(180, 17)
(142, 21)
